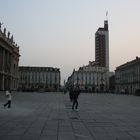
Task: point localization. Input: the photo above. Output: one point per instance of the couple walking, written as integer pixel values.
(74, 93)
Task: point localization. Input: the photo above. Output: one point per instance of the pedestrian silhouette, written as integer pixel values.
(9, 98)
(76, 93)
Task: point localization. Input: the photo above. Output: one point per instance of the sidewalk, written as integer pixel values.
(48, 116)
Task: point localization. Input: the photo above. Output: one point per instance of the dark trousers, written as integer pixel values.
(8, 104)
(70, 95)
(75, 103)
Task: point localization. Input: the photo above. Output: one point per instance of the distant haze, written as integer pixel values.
(60, 33)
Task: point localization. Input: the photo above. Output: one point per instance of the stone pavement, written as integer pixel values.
(48, 116)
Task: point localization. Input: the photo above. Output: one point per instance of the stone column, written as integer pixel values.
(11, 70)
(3, 65)
(2, 86)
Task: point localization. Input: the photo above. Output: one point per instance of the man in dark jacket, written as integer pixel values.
(76, 93)
(71, 93)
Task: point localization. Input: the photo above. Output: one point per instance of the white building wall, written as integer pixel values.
(89, 78)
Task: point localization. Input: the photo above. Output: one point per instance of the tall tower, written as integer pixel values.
(102, 46)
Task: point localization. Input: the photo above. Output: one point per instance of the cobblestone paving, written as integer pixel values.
(48, 116)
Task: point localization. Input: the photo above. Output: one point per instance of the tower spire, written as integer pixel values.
(106, 15)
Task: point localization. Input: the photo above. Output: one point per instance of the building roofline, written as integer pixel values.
(128, 63)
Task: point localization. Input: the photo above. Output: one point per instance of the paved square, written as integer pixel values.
(48, 116)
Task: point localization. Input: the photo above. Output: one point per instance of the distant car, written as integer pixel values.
(137, 92)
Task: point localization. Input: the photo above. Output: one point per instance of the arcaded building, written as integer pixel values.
(9, 59)
(127, 77)
(39, 78)
(90, 78)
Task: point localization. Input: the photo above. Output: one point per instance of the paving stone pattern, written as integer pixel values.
(48, 116)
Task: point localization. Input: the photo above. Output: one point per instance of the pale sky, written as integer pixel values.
(60, 33)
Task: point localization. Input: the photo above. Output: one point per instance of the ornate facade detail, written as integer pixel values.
(90, 78)
(9, 59)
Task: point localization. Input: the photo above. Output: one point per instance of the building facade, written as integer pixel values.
(102, 46)
(39, 78)
(127, 77)
(90, 78)
(95, 76)
(9, 59)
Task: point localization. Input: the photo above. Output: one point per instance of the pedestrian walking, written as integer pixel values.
(9, 98)
(76, 93)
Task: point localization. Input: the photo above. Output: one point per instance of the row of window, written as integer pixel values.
(128, 76)
(39, 78)
(89, 78)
